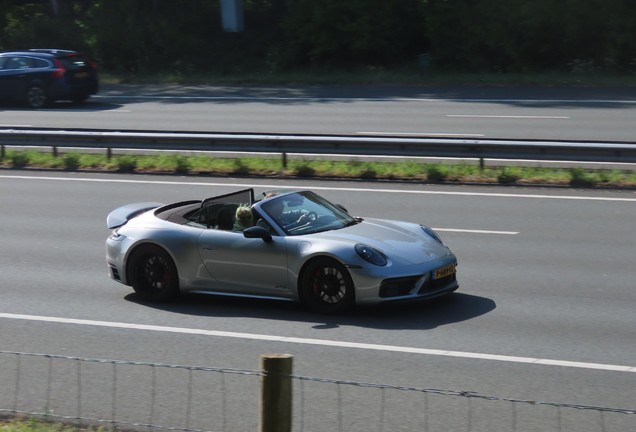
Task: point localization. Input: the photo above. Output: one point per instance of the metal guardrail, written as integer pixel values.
(324, 144)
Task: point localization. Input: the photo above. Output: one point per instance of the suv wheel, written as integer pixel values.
(36, 97)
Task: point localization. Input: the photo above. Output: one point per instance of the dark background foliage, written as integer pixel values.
(461, 35)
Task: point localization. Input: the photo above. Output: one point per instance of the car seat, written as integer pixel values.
(225, 219)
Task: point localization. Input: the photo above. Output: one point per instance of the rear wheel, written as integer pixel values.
(36, 97)
(153, 274)
(326, 287)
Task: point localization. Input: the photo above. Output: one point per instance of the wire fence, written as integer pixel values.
(150, 396)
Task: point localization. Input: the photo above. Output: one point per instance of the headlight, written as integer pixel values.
(371, 255)
(116, 236)
(431, 233)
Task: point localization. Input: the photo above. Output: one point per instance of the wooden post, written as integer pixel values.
(276, 393)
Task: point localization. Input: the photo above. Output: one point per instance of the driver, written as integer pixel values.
(288, 219)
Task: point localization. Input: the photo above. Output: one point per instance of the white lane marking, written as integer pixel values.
(341, 189)
(325, 342)
(87, 110)
(507, 116)
(367, 99)
(475, 231)
(416, 134)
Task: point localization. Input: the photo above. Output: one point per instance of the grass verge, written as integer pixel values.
(408, 75)
(21, 424)
(171, 163)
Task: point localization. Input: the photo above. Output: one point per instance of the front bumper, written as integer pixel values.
(414, 282)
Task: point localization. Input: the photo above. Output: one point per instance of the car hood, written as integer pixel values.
(402, 241)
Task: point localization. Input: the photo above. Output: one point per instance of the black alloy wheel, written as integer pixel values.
(36, 97)
(327, 287)
(153, 274)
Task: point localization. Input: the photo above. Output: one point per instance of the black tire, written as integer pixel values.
(153, 274)
(326, 287)
(36, 97)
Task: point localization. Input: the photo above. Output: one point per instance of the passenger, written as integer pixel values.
(243, 218)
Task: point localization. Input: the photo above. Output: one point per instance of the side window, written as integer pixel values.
(221, 212)
(39, 63)
(17, 63)
(3, 61)
(73, 62)
(220, 216)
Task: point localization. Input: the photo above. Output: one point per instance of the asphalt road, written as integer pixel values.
(546, 275)
(595, 114)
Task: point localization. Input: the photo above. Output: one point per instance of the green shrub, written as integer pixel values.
(19, 159)
(610, 176)
(437, 172)
(409, 169)
(582, 177)
(368, 173)
(304, 169)
(509, 174)
(126, 163)
(241, 167)
(182, 164)
(71, 160)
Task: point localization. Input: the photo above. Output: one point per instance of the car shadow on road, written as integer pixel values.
(421, 315)
(65, 106)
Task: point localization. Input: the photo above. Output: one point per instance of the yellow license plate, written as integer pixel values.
(81, 74)
(443, 272)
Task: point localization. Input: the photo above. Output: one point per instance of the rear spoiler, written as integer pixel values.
(121, 215)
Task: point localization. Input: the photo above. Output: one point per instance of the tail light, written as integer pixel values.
(91, 62)
(59, 72)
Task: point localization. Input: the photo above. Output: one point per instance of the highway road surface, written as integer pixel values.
(580, 114)
(544, 312)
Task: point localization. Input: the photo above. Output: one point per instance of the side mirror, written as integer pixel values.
(257, 232)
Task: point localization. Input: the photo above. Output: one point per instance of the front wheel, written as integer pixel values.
(153, 274)
(326, 287)
(36, 97)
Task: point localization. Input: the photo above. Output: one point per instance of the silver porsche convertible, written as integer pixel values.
(280, 245)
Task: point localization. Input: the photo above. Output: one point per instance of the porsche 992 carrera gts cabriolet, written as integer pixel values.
(285, 245)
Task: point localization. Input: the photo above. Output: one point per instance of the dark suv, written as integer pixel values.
(42, 76)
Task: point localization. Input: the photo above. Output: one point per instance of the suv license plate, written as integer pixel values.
(443, 272)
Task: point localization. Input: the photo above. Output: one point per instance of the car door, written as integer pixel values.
(245, 266)
(240, 265)
(14, 77)
(4, 90)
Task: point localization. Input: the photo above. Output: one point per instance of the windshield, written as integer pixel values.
(305, 213)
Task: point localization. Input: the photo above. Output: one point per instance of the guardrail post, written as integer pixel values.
(109, 153)
(276, 393)
(54, 151)
(2, 152)
(284, 160)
